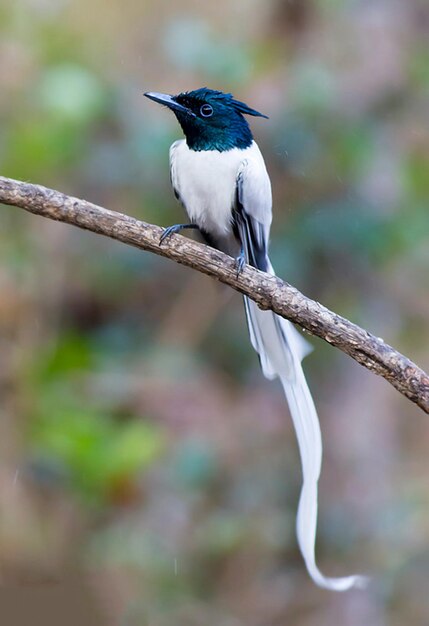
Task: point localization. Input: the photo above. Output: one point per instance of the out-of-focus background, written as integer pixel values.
(149, 475)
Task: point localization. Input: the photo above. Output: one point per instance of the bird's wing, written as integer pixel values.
(281, 348)
(253, 211)
(253, 215)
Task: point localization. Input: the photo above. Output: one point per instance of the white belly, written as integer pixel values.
(206, 184)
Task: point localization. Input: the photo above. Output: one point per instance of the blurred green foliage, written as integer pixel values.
(69, 429)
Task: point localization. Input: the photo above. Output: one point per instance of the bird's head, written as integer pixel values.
(210, 120)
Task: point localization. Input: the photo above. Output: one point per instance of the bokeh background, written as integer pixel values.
(149, 475)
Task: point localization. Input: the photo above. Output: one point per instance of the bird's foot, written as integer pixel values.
(176, 228)
(240, 262)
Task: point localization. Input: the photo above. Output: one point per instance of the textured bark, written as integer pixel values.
(268, 291)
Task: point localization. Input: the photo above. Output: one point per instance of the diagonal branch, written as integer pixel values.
(268, 291)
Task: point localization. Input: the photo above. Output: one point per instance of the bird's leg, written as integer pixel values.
(240, 261)
(176, 228)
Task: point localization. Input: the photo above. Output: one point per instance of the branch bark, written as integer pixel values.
(270, 292)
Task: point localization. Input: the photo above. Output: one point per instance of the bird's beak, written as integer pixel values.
(169, 102)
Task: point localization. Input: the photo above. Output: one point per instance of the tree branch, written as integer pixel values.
(268, 291)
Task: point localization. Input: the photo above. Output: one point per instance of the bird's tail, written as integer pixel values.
(281, 348)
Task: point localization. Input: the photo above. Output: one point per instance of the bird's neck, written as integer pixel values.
(203, 138)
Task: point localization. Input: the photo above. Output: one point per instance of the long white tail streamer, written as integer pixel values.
(281, 349)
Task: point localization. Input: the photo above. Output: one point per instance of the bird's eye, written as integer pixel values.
(206, 110)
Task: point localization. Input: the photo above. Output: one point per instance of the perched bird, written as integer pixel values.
(219, 176)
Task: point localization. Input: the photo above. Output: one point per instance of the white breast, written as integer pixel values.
(206, 183)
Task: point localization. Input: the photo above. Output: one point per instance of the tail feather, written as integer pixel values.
(281, 348)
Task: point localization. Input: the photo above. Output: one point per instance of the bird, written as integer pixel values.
(219, 176)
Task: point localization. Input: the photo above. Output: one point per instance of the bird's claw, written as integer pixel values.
(240, 262)
(171, 230)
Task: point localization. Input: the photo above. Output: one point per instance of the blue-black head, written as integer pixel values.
(211, 120)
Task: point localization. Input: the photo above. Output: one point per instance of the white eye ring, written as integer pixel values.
(206, 110)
